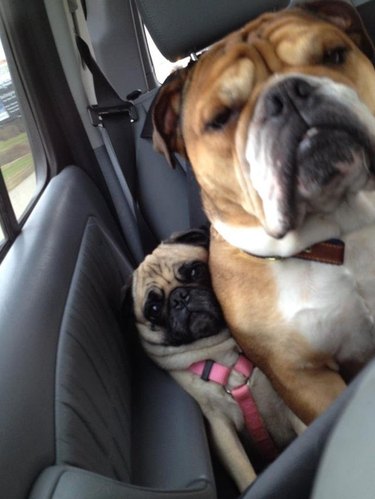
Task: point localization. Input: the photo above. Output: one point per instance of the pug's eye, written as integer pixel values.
(335, 56)
(194, 271)
(154, 311)
(154, 306)
(221, 119)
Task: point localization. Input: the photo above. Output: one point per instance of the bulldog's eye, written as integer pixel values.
(221, 119)
(154, 306)
(335, 56)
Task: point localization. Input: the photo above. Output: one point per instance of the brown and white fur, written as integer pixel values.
(278, 122)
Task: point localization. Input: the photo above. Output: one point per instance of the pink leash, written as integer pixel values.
(208, 370)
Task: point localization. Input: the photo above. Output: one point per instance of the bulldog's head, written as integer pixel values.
(277, 119)
(173, 300)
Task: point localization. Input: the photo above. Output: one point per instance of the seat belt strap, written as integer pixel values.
(115, 114)
(116, 117)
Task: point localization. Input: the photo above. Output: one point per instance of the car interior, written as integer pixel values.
(84, 413)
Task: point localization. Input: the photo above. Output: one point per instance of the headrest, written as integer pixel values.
(181, 27)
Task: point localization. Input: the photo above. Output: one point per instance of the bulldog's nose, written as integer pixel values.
(287, 94)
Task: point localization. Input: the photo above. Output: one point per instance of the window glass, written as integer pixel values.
(162, 66)
(16, 161)
(2, 236)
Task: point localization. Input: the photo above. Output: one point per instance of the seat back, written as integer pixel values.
(182, 28)
(81, 405)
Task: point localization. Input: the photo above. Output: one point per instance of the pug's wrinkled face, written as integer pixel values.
(174, 303)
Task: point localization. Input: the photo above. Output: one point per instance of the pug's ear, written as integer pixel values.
(195, 237)
(344, 15)
(166, 116)
(126, 300)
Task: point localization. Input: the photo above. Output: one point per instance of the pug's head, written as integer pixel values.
(173, 300)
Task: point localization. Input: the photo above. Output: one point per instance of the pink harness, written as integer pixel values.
(209, 370)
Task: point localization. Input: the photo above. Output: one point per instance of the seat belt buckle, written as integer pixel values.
(97, 113)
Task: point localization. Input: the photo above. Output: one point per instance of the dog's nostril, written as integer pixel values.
(183, 295)
(177, 304)
(274, 105)
(302, 88)
(180, 299)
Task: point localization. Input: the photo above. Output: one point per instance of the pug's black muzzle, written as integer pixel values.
(193, 313)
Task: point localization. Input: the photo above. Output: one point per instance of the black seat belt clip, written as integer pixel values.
(97, 113)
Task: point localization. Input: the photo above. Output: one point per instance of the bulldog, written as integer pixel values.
(181, 328)
(277, 120)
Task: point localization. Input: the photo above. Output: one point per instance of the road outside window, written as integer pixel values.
(16, 161)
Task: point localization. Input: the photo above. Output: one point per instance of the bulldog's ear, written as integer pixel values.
(344, 15)
(194, 237)
(166, 113)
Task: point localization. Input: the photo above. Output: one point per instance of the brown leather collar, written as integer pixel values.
(331, 252)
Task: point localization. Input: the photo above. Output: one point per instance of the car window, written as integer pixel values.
(20, 180)
(16, 161)
(162, 67)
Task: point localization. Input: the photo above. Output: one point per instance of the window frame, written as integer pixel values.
(9, 224)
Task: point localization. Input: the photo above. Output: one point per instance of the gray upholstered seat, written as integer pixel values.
(79, 399)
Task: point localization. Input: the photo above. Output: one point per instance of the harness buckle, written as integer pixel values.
(229, 391)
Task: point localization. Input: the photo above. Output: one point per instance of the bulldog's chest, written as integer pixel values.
(333, 307)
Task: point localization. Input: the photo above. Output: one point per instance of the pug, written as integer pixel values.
(182, 329)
